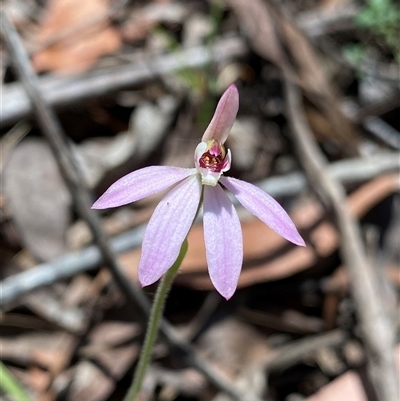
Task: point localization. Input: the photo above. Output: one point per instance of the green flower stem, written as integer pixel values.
(154, 324)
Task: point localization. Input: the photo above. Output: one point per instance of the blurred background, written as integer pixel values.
(135, 83)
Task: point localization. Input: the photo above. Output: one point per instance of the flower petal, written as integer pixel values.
(224, 116)
(167, 229)
(140, 184)
(265, 207)
(223, 239)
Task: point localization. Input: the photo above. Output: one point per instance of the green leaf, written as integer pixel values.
(10, 385)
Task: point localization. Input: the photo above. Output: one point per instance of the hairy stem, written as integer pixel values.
(154, 323)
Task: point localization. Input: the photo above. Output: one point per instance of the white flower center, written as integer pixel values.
(211, 160)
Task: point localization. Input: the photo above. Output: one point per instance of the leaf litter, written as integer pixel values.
(79, 339)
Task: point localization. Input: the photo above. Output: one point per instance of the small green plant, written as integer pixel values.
(354, 53)
(382, 18)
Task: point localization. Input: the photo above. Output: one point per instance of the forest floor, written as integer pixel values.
(95, 89)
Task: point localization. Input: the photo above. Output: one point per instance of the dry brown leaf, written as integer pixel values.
(113, 333)
(238, 350)
(90, 383)
(39, 380)
(144, 18)
(267, 256)
(275, 37)
(79, 32)
(94, 381)
(337, 285)
(43, 349)
(316, 84)
(37, 198)
(259, 27)
(347, 387)
(111, 352)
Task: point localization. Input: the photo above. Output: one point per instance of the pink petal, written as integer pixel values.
(167, 229)
(223, 239)
(224, 116)
(140, 184)
(265, 207)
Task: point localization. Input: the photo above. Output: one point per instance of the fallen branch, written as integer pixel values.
(60, 91)
(288, 355)
(69, 167)
(351, 171)
(377, 327)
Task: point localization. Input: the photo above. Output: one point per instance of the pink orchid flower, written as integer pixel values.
(174, 215)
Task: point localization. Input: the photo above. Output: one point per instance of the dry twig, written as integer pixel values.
(288, 355)
(347, 172)
(53, 131)
(378, 330)
(61, 91)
